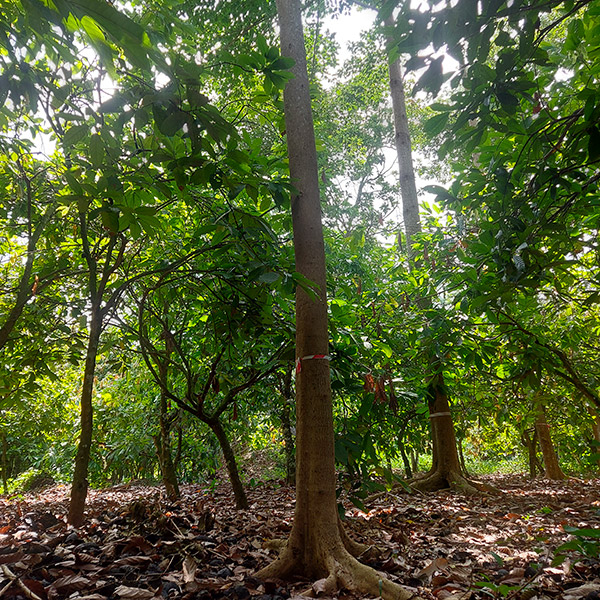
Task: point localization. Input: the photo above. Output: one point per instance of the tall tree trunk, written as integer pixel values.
(317, 547)
(414, 459)
(446, 470)
(79, 486)
(406, 173)
(241, 501)
(551, 466)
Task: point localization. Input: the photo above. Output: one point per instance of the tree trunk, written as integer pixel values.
(531, 444)
(286, 428)
(446, 470)
(239, 494)
(414, 460)
(163, 444)
(317, 546)
(25, 286)
(162, 441)
(405, 461)
(551, 466)
(79, 486)
(406, 173)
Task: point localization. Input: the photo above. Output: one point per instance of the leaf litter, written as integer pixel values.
(137, 545)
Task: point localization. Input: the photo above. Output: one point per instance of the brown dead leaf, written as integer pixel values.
(189, 569)
(34, 586)
(323, 586)
(132, 593)
(588, 589)
(133, 560)
(13, 557)
(65, 586)
(439, 564)
(137, 542)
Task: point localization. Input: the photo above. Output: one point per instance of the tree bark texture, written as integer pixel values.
(530, 442)
(446, 470)
(551, 466)
(316, 547)
(406, 173)
(79, 486)
(241, 501)
(163, 444)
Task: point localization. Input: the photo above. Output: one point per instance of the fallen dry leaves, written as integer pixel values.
(136, 545)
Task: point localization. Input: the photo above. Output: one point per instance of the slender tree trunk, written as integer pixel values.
(414, 460)
(79, 486)
(405, 461)
(25, 286)
(163, 443)
(551, 466)
(286, 427)
(408, 186)
(317, 547)
(179, 441)
(446, 470)
(530, 442)
(241, 501)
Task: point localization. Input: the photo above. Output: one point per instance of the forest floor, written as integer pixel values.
(136, 545)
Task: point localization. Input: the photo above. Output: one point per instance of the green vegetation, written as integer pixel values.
(150, 263)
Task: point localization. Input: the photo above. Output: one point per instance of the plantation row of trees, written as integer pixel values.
(162, 204)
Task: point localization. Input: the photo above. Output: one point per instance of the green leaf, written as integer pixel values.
(112, 105)
(173, 123)
(436, 124)
(269, 277)
(110, 219)
(582, 532)
(283, 63)
(96, 149)
(91, 28)
(594, 144)
(74, 134)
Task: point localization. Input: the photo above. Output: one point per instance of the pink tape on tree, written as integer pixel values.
(310, 357)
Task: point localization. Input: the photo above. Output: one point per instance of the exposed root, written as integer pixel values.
(353, 575)
(275, 544)
(437, 480)
(355, 548)
(342, 571)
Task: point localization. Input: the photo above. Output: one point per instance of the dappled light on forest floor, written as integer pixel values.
(137, 545)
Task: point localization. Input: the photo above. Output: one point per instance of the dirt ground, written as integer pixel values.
(137, 545)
